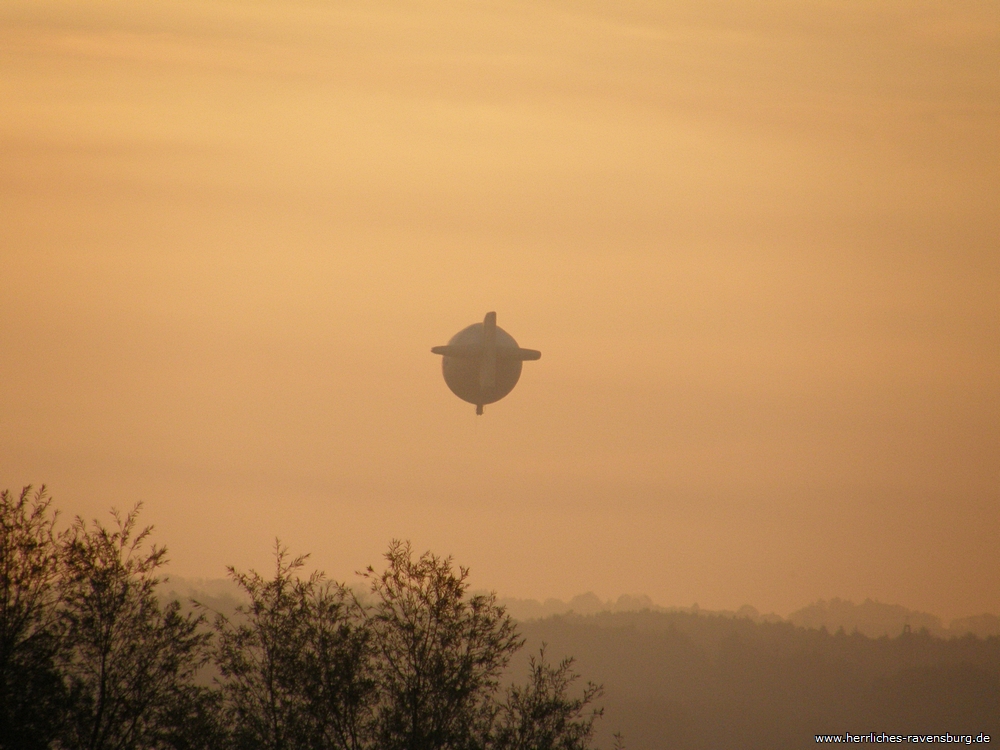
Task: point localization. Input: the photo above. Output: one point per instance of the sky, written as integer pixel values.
(757, 243)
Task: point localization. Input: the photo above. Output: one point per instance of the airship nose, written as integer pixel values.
(482, 362)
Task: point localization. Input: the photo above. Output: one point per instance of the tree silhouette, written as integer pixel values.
(294, 663)
(305, 664)
(32, 699)
(542, 716)
(440, 655)
(90, 659)
(131, 663)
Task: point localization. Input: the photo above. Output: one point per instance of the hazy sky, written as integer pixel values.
(758, 244)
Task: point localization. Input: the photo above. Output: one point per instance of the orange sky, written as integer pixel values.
(758, 244)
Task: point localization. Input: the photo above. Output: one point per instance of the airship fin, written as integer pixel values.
(488, 365)
(474, 352)
(461, 352)
(521, 354)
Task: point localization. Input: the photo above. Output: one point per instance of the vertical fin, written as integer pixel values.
(488, 365)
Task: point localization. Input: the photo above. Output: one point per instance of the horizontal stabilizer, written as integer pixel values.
(459, 351)
(472, 352)
(524, 354)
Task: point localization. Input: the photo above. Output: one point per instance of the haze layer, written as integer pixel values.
(757, 244)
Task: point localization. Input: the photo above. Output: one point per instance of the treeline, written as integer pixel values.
(876, 619)
(90, 657)
(689, 681)
(871, 618)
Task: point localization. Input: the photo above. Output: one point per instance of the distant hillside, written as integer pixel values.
(876, 619)
(691, 682)
(870, 618)
(982, 626)
(591, 604)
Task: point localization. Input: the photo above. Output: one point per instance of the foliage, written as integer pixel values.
(440, 654)
(31, 695)
(541, 716)
(132, 663)
(90, 658)
(305, 665)
(294, 663)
